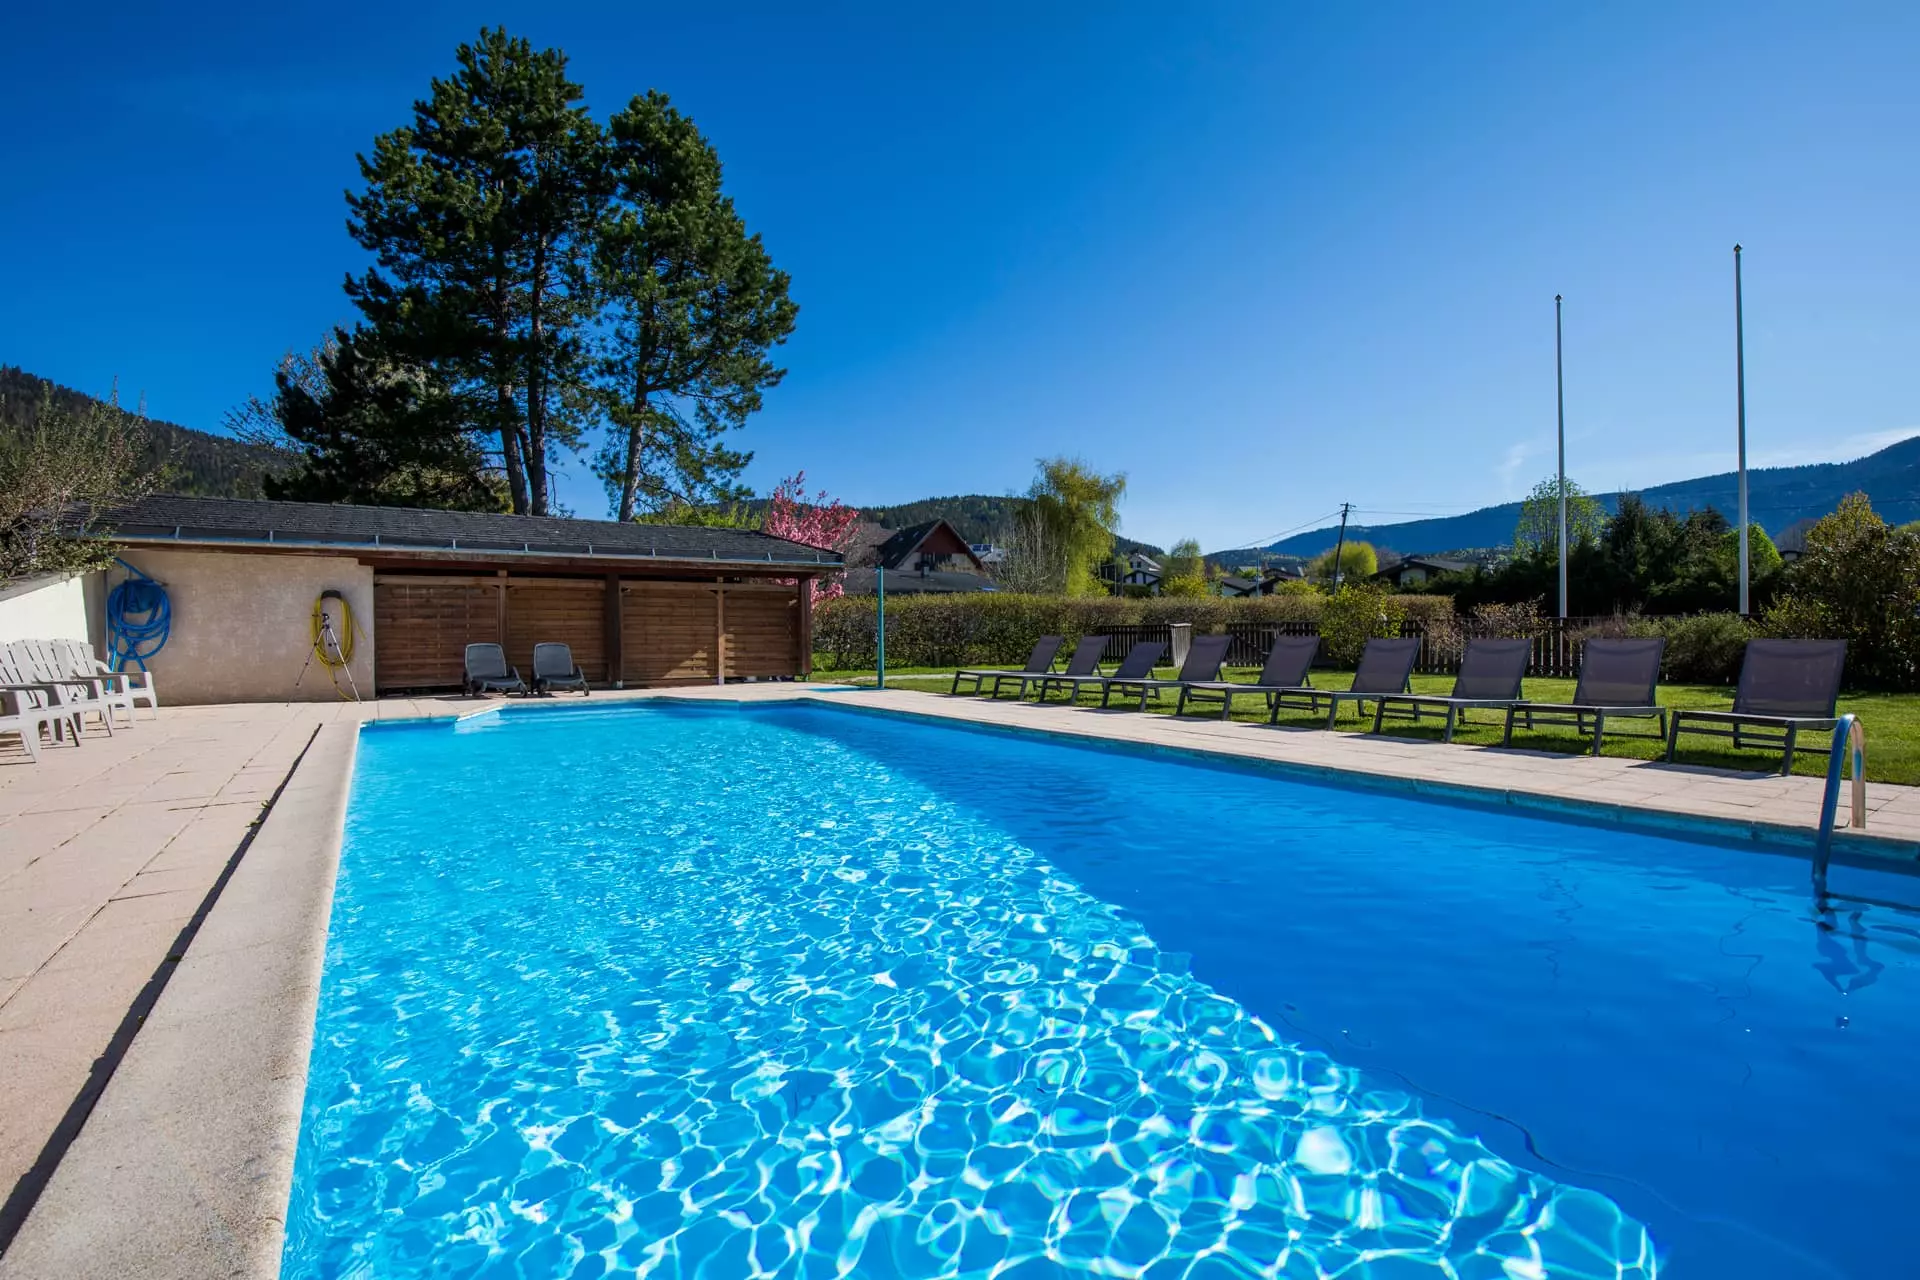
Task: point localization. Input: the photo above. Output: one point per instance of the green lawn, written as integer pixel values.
(1892, 721)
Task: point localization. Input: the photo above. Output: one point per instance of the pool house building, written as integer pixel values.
(638, 604)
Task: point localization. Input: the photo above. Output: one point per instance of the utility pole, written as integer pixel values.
(1560, 395)
(1740, 400)
(1342, 546)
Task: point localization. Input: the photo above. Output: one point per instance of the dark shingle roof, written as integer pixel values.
(864, 582)
(894, 551)
(165, 518)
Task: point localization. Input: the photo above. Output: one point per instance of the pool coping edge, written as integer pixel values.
(185, 1166)
(1772, 835)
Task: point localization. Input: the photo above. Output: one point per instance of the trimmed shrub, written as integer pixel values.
(1354, 615)
(1704, 649)
(1858, 581)
(992, 628)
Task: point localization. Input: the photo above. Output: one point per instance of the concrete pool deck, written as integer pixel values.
(154, 929)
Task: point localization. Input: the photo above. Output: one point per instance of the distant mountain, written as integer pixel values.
(979, 517)
(204, 464)
(1778, 498)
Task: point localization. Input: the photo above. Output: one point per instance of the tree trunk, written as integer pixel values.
(536, 385)
(630, 469)
(636, 429)
(510, 448)
(505, 414)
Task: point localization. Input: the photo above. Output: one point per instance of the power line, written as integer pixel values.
(1265, 538)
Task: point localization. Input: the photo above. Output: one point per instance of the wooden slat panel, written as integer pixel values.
(762, 633)
(562, 610)
(668, 632)
(425, 626)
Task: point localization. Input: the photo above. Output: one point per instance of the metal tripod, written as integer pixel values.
(329, 640)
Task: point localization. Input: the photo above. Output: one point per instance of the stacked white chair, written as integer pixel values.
(52, 686)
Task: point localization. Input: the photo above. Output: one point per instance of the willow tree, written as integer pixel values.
(1079, 510)
(481, 217)
(1184, 570)
(692, 308)
(1358, 562)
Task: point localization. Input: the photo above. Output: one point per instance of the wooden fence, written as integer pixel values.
(1122, 638)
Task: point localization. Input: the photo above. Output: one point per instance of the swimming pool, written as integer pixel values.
(801, 991)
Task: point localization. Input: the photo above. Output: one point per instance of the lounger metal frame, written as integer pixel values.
(1487, 665)
(1587, 705)
(1040, 661)
(1753, 728)
(1287, 653)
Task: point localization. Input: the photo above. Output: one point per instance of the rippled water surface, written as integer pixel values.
(803, 992)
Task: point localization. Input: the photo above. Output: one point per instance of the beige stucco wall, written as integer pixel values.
(57, 607)
(241, 624)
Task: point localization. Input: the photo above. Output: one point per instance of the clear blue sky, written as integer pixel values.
(1261, 257)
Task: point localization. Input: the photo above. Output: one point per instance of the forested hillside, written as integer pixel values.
(200, 463)
(1777, 497)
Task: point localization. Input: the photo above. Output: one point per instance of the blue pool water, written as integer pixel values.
(800, 991)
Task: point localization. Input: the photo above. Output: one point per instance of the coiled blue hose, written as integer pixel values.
(139, 620)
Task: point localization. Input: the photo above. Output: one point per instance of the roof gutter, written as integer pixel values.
(526, 550)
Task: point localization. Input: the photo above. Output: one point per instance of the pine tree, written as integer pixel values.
(693, 306)
(368, 429)
(481, 216)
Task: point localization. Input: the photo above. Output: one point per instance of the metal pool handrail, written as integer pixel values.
(1849, 740)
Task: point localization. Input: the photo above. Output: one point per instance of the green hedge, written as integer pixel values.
(994, 629)
(1702, 648)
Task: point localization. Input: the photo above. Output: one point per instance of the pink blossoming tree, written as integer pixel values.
(820, 521)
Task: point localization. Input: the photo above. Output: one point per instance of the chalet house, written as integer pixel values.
(1264, 585)
(1135, 569)
(639, 604)
(930, 557)
(1415, 569)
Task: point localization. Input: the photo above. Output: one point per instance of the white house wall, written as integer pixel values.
(57, 607)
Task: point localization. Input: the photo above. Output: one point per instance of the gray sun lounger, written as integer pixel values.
(1787, 687)
(1283, 676)
(487, 669)
(1618, 679)
(1490, 676)
(1204, 656)
(1137, 665)
(1039, 662)
(1385, 668)
(1082, 664)
(554, 668)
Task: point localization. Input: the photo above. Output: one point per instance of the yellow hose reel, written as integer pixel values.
(332, 629)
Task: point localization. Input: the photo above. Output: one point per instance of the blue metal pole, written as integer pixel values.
(880, 577)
